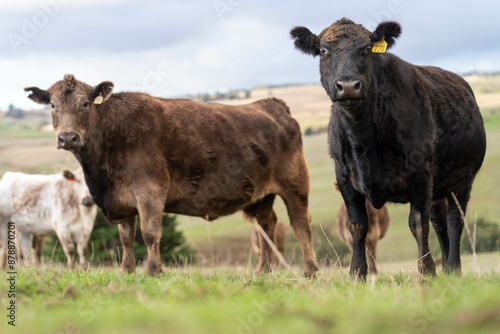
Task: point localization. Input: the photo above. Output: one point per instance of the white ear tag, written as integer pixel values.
(98, 100)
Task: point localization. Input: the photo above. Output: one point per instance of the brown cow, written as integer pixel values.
(279, 239)
(147, 155)
(378, 223)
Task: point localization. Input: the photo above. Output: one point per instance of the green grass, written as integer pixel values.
(230, 300)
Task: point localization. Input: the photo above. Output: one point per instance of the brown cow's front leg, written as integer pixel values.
(419, 226)
(127, 237)
(151, 214)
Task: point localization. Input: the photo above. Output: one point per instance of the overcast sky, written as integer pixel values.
(174, 48)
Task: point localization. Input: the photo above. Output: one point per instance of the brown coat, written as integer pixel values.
(147, 155)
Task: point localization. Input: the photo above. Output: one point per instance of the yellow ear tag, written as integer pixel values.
(98, 100)
(380, 46)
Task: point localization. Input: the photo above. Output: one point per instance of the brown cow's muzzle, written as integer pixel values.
(69, 141)
(87, 201)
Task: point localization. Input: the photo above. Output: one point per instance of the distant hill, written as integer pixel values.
(310, 105)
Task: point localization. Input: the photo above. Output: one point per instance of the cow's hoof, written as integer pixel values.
(455, 269)
(427, 266)
(266, 268)
(310, 268)
(154, 270)
(358, 273)
(127, 270)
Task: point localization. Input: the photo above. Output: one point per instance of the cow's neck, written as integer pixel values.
(358, 125)
(363, 136)
(94, 159)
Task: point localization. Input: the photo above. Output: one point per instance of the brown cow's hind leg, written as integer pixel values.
(263, 211)
(127, 237)
(300, 219)
(371, 248)
(151, 214)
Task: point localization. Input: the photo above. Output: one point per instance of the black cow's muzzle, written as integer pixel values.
(347, 89)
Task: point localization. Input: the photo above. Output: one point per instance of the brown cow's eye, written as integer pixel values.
(52, 105)
(322, 50)
(86, 104)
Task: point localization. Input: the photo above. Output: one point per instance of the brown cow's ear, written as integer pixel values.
(38, 95)
(389, 30)
(102, 92)
(68, 175)
(305, 40)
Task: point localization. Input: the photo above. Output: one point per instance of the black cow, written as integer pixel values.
(398, 133)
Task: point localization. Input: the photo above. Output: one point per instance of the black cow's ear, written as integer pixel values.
(102, 92)
(68, 175)
(38, 95)
(390, 30)
(305, 40)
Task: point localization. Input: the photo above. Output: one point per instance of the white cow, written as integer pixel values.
(42, 205)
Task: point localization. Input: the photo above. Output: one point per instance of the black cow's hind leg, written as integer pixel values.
(439, 212)
(455, 228)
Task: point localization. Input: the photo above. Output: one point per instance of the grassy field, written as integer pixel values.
(230, 300)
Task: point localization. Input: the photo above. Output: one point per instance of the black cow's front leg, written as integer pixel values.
(419, 225)
(358, 226)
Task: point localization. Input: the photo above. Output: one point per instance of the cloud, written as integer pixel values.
(197, 47)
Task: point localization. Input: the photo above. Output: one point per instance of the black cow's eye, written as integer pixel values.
(368, 49)
(86, 104)
(322, 50)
